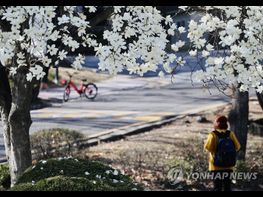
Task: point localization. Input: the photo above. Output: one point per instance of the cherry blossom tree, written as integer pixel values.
(34, 37)
(229, 40)
(28, 40)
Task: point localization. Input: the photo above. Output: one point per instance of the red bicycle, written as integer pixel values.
(89, 90)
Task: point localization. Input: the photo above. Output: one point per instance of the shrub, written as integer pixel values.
(54, 143)
(241, 166)
(4, 177)
(62, 183)
(69, 174)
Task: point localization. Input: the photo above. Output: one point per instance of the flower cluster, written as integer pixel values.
(37, 36)
(44, 35)
(229, 39)
(137, 41)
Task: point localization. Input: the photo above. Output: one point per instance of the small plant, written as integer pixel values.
(241, 166)
(4, 177)
(54, 143)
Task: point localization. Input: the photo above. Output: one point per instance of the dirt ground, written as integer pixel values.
(149, 156)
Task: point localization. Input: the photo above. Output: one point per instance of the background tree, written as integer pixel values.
(260, 99)
(229, 40)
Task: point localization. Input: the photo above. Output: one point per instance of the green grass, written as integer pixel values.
(4, 177)
(69, 174)
(62, 183)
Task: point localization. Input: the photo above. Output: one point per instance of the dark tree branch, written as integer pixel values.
(5, 90)
(260, 99)
(104, 15)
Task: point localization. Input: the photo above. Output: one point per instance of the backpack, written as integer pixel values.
(225, 155)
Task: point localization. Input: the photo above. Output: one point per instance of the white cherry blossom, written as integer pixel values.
(236, 55)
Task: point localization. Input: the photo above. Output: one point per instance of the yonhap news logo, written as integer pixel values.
(176, 175)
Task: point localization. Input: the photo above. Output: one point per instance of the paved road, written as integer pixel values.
(123, 100)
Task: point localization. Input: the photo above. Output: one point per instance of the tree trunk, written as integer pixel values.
(57, 76)
(260, 99)
(35, 91)
(20, 122)
(5, 106)
(238, 119)
(6, 128)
